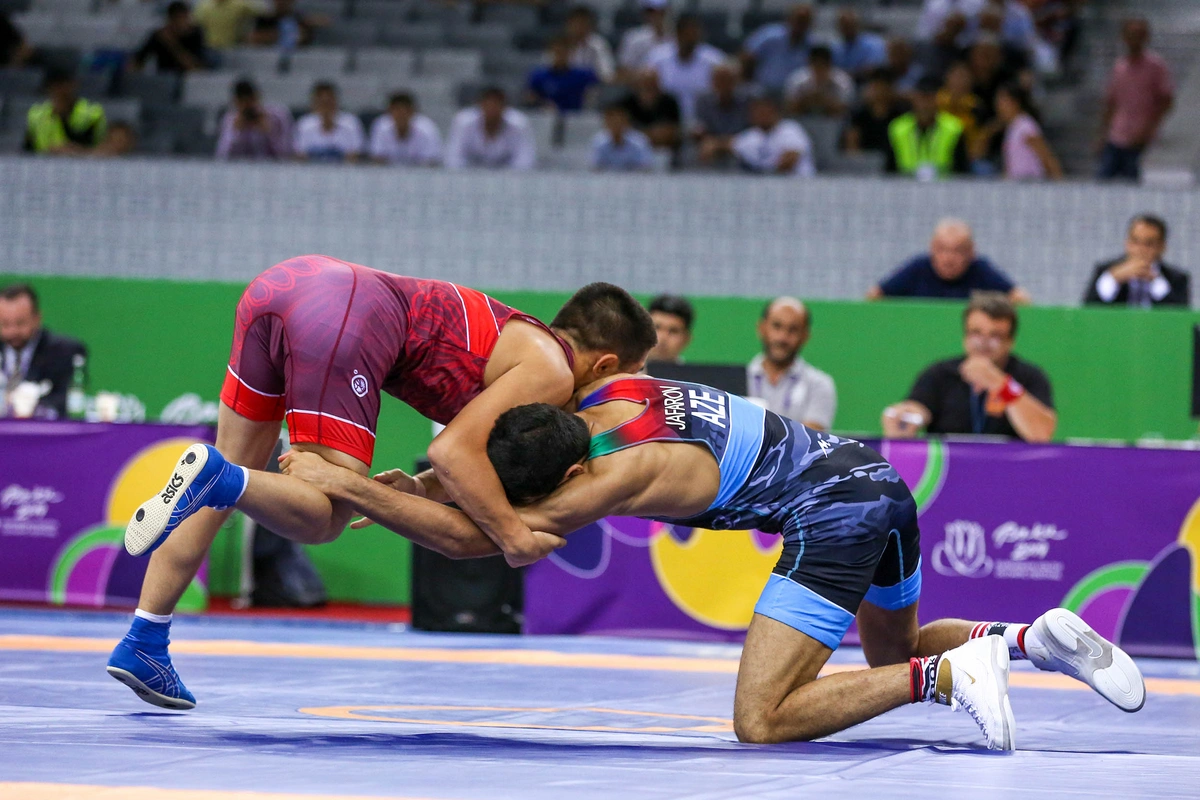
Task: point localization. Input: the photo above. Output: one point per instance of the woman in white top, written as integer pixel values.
(404, 137)
(1027, 156)
(328, 134)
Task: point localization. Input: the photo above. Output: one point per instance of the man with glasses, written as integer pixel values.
(988, 390)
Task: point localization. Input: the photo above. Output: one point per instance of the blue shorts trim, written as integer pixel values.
(902, 595)
(803, 609)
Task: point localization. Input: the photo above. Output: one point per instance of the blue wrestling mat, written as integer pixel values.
(291, 710)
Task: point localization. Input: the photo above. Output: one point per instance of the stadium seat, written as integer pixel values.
(150, 89)
(580, 127)
(211, 90)
(347, 33)
(21, 81)
(95, 85)
(824, 133)
(122, 109)
(364, 93)
(319, 61)
(433, 90)
(388, 63)
(456, 65)
(414, 34)
(485, 37)
(256, 61)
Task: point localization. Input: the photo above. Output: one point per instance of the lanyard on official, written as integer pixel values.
(978, 413)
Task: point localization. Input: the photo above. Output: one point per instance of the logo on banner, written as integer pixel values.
(964, 552)
(23, 511)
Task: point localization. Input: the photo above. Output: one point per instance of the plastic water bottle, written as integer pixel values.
(76, 396)
(289, 34)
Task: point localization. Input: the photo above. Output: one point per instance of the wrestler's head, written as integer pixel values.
(536, 447)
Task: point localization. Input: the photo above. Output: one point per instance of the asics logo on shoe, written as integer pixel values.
(172, 488)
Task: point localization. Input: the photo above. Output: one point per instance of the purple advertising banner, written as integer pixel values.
(67, 489)
(1007, 531)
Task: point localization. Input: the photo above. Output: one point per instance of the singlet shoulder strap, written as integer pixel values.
(647, 426)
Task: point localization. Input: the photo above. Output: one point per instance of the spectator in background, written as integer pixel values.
(589, 50)
(252, 129)
(1057, 24)
(958, 99)
(285, 27)
(226, 22)
(1140, 95)
(820, 88)
(855, 52)
(868, 127)
(772, 145)
(558, 84)
(685, 66)
(950, 270)
(14, 49)
(1027, 155)
(773, 52)
(619, 147)
(925, 143)
(986, 391)
(901, 63)
(654, 112)
(65, 124)
(1141, 279)
(721, 114)
(327, 133)
(491, 135)
(779, 378)
(30, 352)
(404, 137)
(673, 317)
(935, 12)
(121, 140)
(178, 46)
(936, 55)
(1011, 26)
(637, 43)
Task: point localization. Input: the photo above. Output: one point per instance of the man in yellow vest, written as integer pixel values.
(925, 143)
(66, 124)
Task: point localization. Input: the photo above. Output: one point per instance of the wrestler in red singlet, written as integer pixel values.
(317, 340)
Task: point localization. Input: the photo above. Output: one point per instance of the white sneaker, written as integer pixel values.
(974, 678)
(1066, 644)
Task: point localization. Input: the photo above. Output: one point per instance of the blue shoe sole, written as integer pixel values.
(149, 695)
(147, 528)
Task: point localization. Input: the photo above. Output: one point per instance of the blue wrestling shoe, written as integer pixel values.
(141, 662)
(201, 478)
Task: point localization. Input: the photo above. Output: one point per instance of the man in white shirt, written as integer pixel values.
(773, 145)
(589, 50)
(782, 381)
(820, 88)
(638, 43)
(685, 66)
(328, 134)
(404, 137)
(491, 135)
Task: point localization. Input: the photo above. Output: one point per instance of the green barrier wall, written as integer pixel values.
(1116, 374)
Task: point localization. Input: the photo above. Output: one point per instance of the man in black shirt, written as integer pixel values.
(177, 46)
(868, 128)
(654, 112)
(987, 391)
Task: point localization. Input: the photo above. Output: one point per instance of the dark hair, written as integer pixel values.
(176, 8)
(881, 74)
(676, 306)
(604, 317)
(324, 86)
(582, 11)
(928, 85)
(531, 447)
(494, 92)
(995, 305)
(821, 51)
(688, 19)
(19, 290)
(1019, 93)
(57, 77)
(402, 99)
(245, 89)
(616, 105)
(1153, 221)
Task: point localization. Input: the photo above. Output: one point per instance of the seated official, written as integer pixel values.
(1141, 279)
(29, 352)
(986, 391)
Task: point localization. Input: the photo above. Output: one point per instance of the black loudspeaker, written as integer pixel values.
(474, 595)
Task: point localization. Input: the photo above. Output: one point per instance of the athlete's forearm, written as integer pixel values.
(428, 523)
(470, 480)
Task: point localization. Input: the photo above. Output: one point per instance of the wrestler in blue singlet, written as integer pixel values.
(848, 521)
